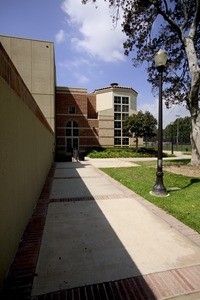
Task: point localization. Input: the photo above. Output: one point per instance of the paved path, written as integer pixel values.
(129, 162)
(102, 241)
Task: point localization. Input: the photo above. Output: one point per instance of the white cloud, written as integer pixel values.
(169, 115)
(96, 34)
(82, 79)
(60, 36)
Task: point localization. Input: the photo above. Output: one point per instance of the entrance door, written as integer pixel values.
(72, 139)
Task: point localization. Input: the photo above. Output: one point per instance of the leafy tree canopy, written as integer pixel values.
(141, 125)
(182, 127)
(170, 24)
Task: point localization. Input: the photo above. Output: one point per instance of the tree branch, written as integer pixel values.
(170, 20)
(185, 14)
(166, 6)
(196, 20)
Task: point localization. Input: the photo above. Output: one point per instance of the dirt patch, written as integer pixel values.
(186, 170)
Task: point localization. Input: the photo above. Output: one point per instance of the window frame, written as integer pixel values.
(71, 110)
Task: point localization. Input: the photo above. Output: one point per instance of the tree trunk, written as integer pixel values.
(195, 140)
(136, 143)
(193, 101)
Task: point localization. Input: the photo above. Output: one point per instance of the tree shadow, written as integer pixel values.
(192, 181)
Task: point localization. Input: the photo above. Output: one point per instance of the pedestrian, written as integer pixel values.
(75, 154)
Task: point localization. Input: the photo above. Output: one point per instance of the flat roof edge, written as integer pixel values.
(24, 38)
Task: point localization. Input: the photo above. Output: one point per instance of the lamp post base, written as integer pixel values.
(160, 192)
(159, 188)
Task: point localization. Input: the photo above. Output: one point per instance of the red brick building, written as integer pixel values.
(76, 121)
(90, 120)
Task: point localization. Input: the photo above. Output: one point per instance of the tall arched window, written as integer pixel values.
(72, 140)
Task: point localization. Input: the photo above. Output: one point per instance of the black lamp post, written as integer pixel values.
(159, 188)
(172, 137)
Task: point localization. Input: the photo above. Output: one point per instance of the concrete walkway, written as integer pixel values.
(131, 161)
(102, 241)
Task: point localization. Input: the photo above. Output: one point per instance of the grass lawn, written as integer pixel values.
(182, 203)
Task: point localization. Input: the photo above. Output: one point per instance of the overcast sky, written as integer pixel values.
(88, 48)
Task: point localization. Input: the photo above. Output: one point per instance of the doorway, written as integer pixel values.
(72, 137)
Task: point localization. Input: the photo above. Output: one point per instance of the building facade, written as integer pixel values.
(114, 104)
(90, 120)
(35, 62)
(79, 119)
(76, 121)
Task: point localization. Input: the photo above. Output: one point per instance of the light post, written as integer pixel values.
(177, 131)
(172, 137)
(159, 188)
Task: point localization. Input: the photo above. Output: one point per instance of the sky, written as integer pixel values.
(88, 48)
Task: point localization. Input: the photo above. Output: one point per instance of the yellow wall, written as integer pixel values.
(34, 61)
(26, 155)
(105, 109)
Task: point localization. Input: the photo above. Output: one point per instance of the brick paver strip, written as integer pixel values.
(90, 198)
(156, 286)
(151, 286)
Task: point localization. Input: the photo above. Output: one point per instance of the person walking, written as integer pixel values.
(75, 154)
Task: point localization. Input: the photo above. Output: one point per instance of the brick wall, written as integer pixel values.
(83, 106)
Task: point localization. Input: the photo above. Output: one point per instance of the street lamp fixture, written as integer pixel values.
(159, 188)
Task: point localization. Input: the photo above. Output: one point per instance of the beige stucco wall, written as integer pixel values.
(105, 108)
(26, 155)
(106, 128)
(105, 101)
(35, 62)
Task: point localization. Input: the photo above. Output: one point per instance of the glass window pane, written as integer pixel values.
(117, 132)
(75, 143)
(117, 99)
(124, 116)
(68, 132)
(75, 132)
(69, 145)
(117, 107)
(117, 124)
(125, 100)
(117, 141)
(72, 110)
(72, 133)
(74, 124)
(117, 116)
(125, 141)
(125, 108)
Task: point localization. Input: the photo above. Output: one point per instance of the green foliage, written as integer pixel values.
(183, 125)
(123, 152)
(141, 125)
(171, 25)
(183, 204)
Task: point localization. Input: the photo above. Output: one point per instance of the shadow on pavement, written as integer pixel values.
(79, 245)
